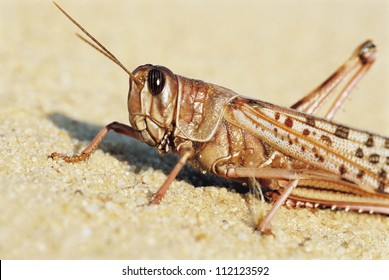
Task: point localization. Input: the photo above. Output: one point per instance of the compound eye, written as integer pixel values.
(155, 81)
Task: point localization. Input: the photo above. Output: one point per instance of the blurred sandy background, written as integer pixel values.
(56, 93)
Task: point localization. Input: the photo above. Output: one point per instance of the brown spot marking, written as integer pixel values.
(290, 142)
(303, 148)
(381, 187)
(342, 169)
(382, 180)
(360, 174)
(326, 140)
(310, 121)
(319, 157)
(342, 131)
(359, 153)
(277, 116)
(374, 158)
(306, 132)
(382, 174)
(386, 143)
(387, 160)
(275, 130)
(288, 122)
(370, 141)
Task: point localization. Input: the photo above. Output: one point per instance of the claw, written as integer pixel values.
(71, 159)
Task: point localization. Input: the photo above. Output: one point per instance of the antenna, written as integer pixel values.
(97, 45)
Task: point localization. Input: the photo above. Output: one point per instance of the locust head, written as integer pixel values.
(152, 100)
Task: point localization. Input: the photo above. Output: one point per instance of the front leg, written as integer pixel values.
(115, 126)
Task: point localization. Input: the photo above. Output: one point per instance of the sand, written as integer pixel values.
(56, 93)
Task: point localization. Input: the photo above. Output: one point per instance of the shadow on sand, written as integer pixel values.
(136, 153)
